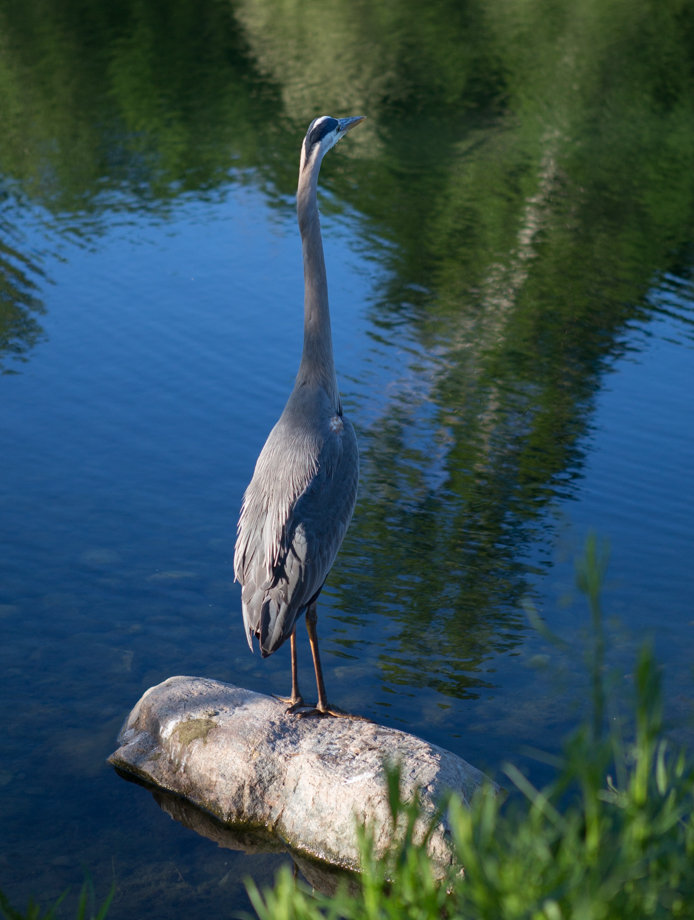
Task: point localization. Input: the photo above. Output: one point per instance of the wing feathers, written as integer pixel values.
(295, 513)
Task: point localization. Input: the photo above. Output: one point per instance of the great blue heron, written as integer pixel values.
(299, 503)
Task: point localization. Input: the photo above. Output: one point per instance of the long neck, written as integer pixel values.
(317, 365)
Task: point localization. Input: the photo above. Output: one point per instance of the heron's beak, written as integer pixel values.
(346, 124)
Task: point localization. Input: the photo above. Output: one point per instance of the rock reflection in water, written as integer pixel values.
(246, 839)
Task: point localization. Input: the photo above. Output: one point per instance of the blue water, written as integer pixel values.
(127, 437)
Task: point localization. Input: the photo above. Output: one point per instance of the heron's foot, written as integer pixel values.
(328, 710)
(294, 703)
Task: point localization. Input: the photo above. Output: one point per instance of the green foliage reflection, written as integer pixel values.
(20, 306)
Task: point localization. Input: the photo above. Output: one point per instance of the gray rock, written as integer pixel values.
(239, 756)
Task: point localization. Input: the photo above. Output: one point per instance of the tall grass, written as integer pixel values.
(610, 837)
(84, 910)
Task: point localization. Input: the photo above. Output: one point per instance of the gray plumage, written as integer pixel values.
(299, 503)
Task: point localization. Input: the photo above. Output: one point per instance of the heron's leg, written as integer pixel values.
(311, 620)
(322, 707)
(296, 696)
(295, 700)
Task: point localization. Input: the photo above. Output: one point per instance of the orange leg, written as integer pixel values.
(295, 701)
(322, 706)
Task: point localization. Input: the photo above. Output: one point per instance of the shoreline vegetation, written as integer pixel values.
(611, 836)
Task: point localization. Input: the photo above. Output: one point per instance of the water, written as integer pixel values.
(513, 318)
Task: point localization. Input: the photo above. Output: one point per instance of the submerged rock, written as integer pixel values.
(240, 756)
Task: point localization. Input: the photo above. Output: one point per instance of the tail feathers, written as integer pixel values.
(269, 620)
(275, 626)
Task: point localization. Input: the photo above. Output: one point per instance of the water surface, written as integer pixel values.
(508, 240)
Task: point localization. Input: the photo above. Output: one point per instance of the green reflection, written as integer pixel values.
(522, 255)
(148, 97)
(20, 306)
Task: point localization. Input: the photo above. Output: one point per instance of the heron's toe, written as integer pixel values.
(295, 704)
(333, 711)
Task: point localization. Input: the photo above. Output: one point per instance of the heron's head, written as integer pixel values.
(323, 133)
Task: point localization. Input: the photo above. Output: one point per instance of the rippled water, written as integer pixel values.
(127, 442)
(516, 382)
